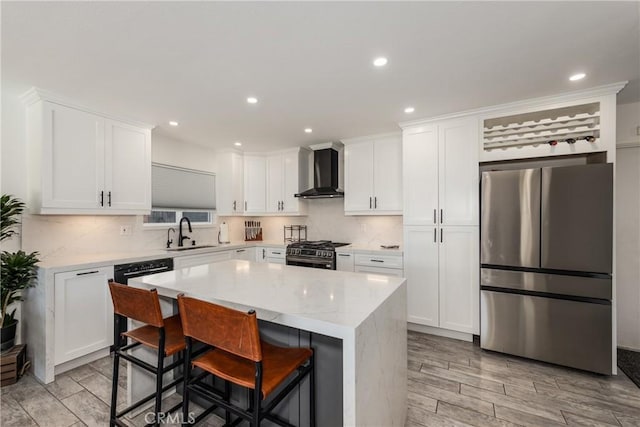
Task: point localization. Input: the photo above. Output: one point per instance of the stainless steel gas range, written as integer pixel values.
(315, 254)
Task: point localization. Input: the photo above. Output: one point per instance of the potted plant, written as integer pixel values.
(18, 270)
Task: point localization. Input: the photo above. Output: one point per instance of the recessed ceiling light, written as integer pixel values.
(237, 143)
(578, 76)
(172, 123)
(380, 62)
(308, 130)
(252, 100)
(409, 110)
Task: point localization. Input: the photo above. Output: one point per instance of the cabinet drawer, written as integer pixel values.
(385, 261)
(193, 260)
(276, 252)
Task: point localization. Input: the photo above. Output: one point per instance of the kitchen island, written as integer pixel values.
(365, 312)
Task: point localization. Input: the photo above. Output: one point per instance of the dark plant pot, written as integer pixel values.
(8, 336)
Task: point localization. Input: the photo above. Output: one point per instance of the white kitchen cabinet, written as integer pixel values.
(201, 259)
(255, 179)
(83, 313)
(373, 176)
(248, 254)
(287, 174)
(387, 265)
(440, 173)
(442, 270)
(345, 261)
(85, 163)
(275, 255)
(229, 184)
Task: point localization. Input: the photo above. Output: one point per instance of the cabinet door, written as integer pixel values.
(291, 178)
(274, 183)
(248, 254)
(73, 158)
(388, 175)
(128, 167)
(459, 279)
(344, 261)
(358, 177)
(421, 271)
(255, 188)
(459, 183)
(83, 313)
(237, 183)
(229, 184)
(420, 175)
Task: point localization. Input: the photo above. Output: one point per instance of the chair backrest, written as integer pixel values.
(228, 329)
(139, 304)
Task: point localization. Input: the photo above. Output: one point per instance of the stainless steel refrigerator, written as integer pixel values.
(546, 263)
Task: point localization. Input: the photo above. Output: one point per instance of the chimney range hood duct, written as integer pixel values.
(325, 176)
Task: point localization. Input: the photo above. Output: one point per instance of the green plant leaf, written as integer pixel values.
(11, 208)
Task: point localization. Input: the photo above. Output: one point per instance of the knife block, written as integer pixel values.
(252, 234)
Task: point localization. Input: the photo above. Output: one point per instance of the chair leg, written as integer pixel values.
(256, 409)
(227, 398)
(114, 385)
(312, 392)
(159, 378)
(185, 388)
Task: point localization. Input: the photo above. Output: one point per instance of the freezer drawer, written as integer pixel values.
(560, 284)
(577, 218)
(510, 218)
(568, 333)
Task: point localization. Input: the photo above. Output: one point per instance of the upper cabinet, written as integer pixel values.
(85, 163)
(230, 184)
(441, 173)
(287, 174)
(255, 188)
(373, 175)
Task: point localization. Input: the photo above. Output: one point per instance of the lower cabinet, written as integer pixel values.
(387, 265)
(274, 255)
(83, 313)
(248, 254)
(442, 271)
(344, 261)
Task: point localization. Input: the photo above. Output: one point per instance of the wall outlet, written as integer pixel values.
(125, 230)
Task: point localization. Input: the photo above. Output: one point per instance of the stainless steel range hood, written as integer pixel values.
(325, 176)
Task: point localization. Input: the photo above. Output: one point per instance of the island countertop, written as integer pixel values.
(368, 312)
(333, 303)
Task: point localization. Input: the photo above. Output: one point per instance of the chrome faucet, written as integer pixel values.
(169, 240)
(180, 236)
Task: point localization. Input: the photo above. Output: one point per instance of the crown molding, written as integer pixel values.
(35, 94)
(610, 89)
(397, 133)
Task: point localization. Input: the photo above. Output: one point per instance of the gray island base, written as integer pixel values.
(356, 322)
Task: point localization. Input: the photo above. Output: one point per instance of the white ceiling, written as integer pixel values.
(309, 63)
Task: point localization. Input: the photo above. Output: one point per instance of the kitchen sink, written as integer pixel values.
(190, 248)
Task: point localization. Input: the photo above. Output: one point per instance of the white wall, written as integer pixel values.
(628, 226)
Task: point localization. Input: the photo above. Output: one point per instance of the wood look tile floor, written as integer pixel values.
(451, 383)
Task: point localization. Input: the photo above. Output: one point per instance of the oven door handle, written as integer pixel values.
(308, 261)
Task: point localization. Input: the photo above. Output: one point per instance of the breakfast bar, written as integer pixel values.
(366, 313)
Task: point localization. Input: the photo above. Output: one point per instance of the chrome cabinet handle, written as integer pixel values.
(109, 198)
(87, 272)
(240, 250)
(245, 205)
(102, 198)
(441, 238)
(441, 216)
(375, 202)
(369, 202)
(376, 260)
(234, 205)
(435, 236)
(434, 216)
(344, 255)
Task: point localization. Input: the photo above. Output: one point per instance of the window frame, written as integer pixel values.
(213, 219)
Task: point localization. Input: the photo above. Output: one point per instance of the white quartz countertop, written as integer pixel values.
(67, 262)
(332, 303)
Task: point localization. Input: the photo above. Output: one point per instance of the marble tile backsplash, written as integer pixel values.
(60, 235)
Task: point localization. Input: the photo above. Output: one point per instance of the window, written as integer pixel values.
(179, 192)
(172, 217)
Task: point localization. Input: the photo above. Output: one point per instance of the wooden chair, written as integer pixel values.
(240, 357)
(163, 335)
